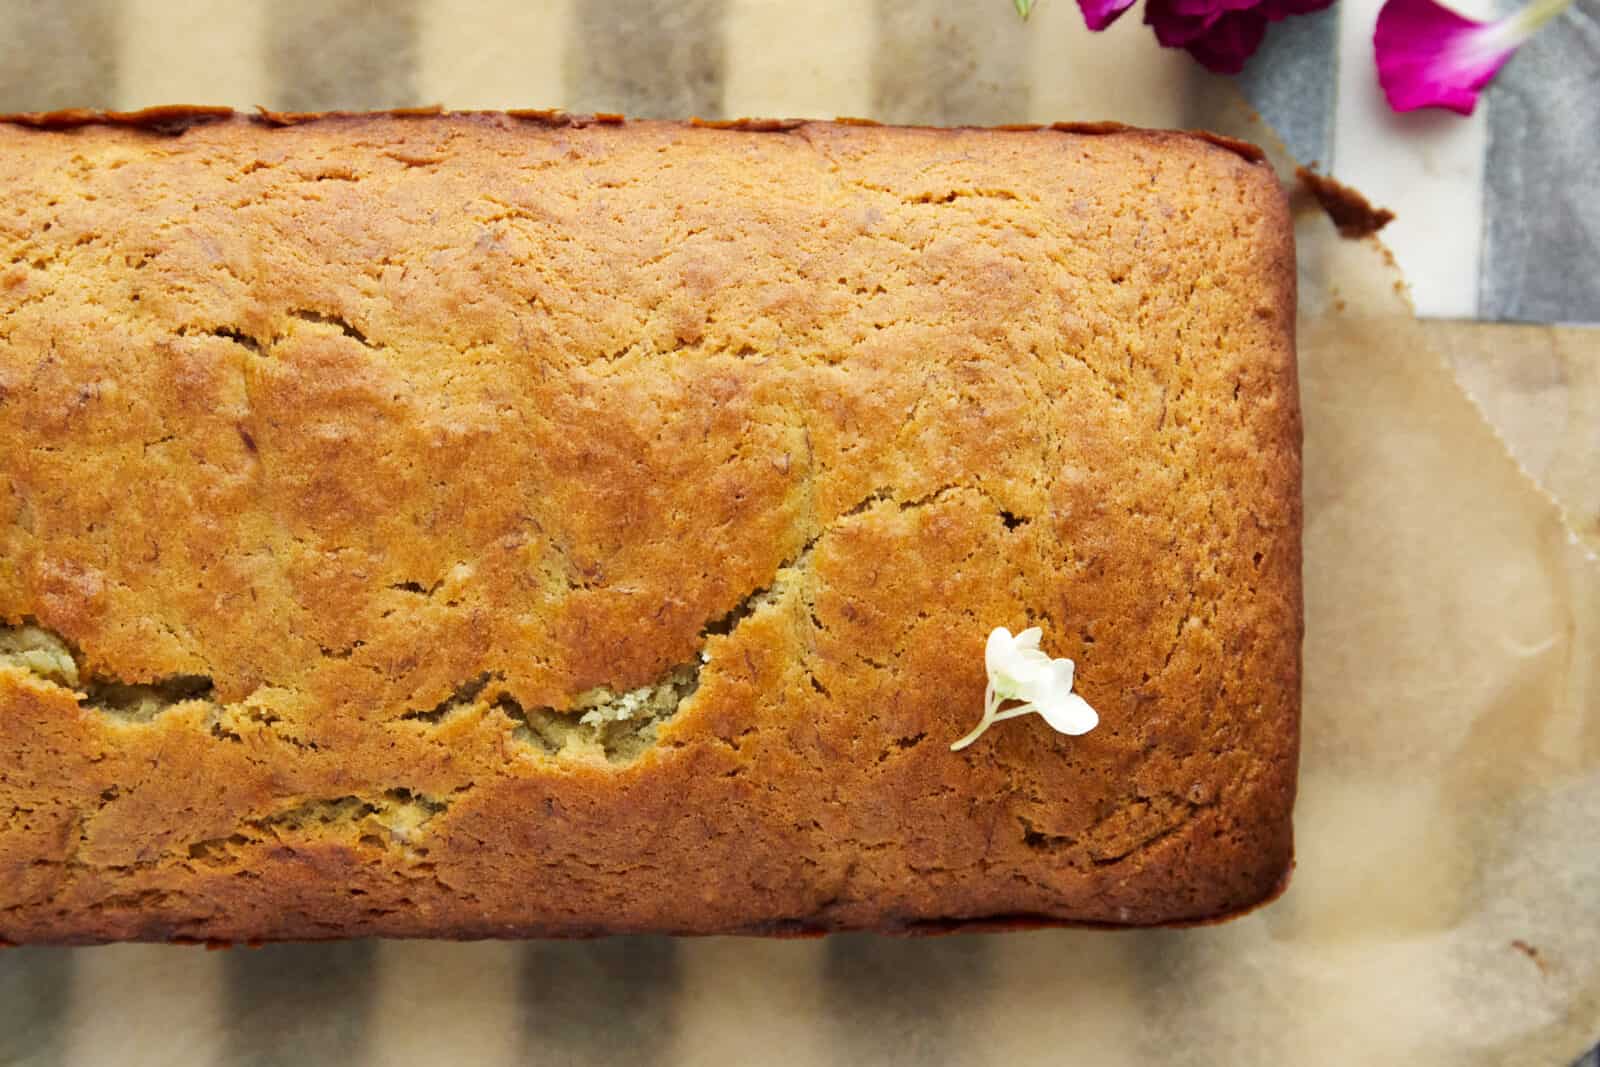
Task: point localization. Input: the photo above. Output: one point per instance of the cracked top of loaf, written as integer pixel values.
(470, 526)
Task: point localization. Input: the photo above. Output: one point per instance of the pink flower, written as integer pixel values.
(1098, 14)
(1221, 34)
(1429, 56)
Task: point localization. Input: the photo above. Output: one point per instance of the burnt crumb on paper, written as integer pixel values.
(1533, 953)
(1352, 213)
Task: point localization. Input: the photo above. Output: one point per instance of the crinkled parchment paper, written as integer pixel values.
(1446, 906)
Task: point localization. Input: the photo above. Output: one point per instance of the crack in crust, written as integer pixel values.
(599, 723)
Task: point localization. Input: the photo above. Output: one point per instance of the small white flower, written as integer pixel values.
(1019, 671)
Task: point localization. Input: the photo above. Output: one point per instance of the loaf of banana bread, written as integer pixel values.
(468, 525)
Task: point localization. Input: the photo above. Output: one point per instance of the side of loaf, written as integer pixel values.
(475, 525)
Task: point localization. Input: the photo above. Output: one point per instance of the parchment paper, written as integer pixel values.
(1444, 910)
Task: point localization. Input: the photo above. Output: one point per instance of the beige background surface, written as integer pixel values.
(1540, 388)
(1451, 779)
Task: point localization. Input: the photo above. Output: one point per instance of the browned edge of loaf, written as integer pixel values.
(171, 119)
(792, 931)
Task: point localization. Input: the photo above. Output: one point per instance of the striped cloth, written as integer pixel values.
(1497, 214)
(1494, 223)
(844, 1000)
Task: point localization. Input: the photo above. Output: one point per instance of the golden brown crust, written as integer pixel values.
(367, 446)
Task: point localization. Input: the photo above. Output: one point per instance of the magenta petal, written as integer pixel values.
(1098, 14)
(1277, 10)
(1429, 56)
(1228, 42)
(1173, 28)
(1220, 34)
(1207, 8)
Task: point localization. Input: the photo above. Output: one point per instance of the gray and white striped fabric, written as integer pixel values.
(1498, 221)
(1498, 214)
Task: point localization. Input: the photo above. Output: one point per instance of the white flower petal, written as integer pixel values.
(1014, 667)
(1020, 671)
(998, 648)
(1068, 714)
(1061, 674)
(1008, 688)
